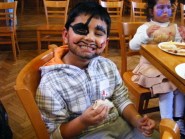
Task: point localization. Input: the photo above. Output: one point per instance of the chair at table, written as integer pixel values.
(182, 7)
(52, 31)
(115, 9)
(138, 11)
(26, 84)
(169, 129)
(141, 94)
(8, 30)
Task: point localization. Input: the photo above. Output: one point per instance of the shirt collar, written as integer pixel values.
(165, 24)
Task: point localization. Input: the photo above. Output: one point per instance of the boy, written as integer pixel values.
(77, 76)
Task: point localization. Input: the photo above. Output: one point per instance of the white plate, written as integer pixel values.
(159, 45)
(180, 70)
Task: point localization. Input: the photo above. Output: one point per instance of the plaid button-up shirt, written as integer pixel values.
(66, 91)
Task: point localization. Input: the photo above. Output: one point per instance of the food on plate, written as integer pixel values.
(173, 47)
(181, 51)
(169, 47)
(180, 46)
(169, 43)
(106, 102)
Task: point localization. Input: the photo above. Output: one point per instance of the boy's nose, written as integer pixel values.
(90, 37)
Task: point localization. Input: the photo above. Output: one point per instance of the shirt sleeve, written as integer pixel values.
(139, 38)
(51, 107)
(120, 97)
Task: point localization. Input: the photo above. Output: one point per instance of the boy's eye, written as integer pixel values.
(82, 30)
(99, 34)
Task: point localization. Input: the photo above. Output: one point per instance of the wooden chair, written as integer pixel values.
(127, 4)
(52, 31)
(138, 11)
(26, 85)
(141, 94)
(169, 129)
(22, 6)
(174, 11)
(8, 29)
(115, 10)
(182, 7)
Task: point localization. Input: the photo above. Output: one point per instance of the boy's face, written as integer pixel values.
(86, 37)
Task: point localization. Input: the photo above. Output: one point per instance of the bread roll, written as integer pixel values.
(106, 102)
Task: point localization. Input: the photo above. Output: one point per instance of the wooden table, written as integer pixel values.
(165, 63)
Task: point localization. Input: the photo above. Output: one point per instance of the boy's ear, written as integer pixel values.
(107, 41)
(65, 35)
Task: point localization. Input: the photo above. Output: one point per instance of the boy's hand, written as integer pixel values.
(182, 32)
(146, 126)
(151, 29)
(94, 116)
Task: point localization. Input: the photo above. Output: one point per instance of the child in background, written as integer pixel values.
(159, 29)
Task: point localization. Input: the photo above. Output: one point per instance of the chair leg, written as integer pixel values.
(13, 46)
(22, 6)
(37, 3)
(140, 106)
(39, 42)
(146, 104)
(16, 42)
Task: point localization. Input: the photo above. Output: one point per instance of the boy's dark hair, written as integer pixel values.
(150, 6)
(89, 8)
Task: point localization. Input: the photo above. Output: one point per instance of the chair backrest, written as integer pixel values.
(138, 11)
(114, 8)
(169, 129)
(26, 85)
(126, 29)
(174, 11)
(57, 10)
(182, 7)
(8, 13)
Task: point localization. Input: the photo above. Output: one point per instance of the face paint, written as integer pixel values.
(82, 42)
(100, 28)
(81, 28)
(102, 44)
(164, 8)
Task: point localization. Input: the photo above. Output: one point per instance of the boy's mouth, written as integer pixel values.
(87, 47)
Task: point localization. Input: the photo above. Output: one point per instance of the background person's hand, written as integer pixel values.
(151, 29)
(94, 116)
(182, 32)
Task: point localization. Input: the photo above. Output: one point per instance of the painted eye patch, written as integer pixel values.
(164, 8)
(80, 28)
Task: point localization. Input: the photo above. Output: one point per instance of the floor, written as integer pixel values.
(26, 30)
